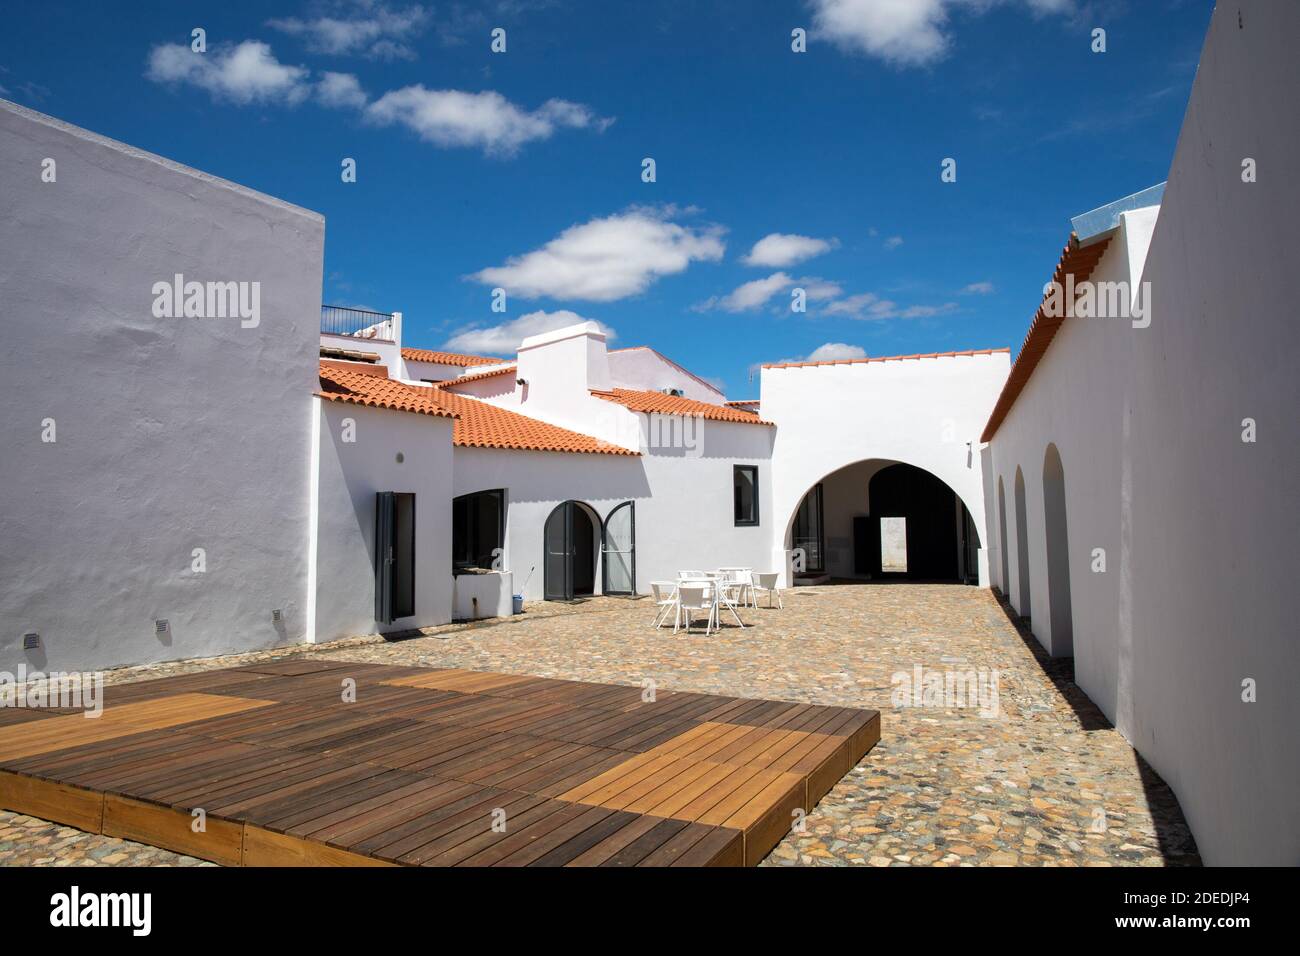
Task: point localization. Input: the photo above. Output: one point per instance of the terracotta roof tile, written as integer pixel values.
(376, 391)
(447, 358)
(640, 401)
(1075, 261)
(751, 404)
(476, 376)
(477, 424)
(885, 358)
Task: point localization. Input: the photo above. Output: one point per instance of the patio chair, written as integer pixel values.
(665, 599)
(691, 598)
(768, 583)
(692, 576)
(729, 595)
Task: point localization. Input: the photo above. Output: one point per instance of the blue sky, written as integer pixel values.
(523, 169)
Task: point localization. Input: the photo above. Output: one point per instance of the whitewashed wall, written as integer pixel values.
(924, 412)
(684, 513)
(349, 475)
(643, 368)
(172, 434)
(1199, 527)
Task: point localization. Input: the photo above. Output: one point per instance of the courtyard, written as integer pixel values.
(1033, 776)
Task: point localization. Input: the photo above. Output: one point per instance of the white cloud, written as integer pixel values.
(340, 90)
(376, 32)
(778, 250)
(979, 288)
(868, 306)
(247, 73)
(485, 120)
(606, 259)
(893, 242)
(904, 32)
(504, 339)
(754, 293)
(834, 351)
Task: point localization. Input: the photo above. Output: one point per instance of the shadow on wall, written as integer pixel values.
(1176, 843)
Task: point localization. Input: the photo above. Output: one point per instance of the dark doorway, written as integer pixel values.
(808, 532)
(1004, 549)
(394, 556)
(569, 541)
(925, 530)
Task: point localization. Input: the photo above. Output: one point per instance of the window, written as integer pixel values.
(477, 530)
(744, 483)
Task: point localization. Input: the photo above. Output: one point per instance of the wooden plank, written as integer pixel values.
(48, 800)
(262, 847)
(221, 841)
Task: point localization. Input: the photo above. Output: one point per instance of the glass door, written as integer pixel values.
(618, 550)
(557, 569)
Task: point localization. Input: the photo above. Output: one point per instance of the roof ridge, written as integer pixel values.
(886, 358)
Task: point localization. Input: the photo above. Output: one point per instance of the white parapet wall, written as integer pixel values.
(155, 465)
(922, 411)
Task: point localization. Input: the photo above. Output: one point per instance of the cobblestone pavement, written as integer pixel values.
(1044, 780)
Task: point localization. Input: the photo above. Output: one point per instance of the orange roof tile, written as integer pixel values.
(658, 402)
(476, 376)
(751, 403)
(447, 358)
(884, 358)
(376, 391)
(1075, 261)
(477, 424)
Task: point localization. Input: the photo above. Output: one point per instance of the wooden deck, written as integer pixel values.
(425, 766)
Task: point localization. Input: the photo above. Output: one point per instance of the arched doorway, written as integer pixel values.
(1058, 555)
(882, 519)
(1022, 547)
(1004, 549)
(570, 540)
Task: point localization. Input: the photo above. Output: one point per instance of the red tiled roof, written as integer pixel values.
(476, 376)
(1075, 261)
(884, 358)
(375, 391)
(749, 403)
(447, 358)
(639, 401)
(477, 424)
(359, 367)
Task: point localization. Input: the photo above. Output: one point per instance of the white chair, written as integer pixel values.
(691, 575)
(665, 598)
(693, 597)
(743, 579)
(768, 583)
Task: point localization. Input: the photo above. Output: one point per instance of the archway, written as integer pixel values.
(570, 541)
(1022, 547)
(1004, 548)
(1058, 555)
(882, 519)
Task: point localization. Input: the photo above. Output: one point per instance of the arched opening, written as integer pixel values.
(1058, 555)
(880, 519)
(1004, 549)
(1022, 547)
(570, 539)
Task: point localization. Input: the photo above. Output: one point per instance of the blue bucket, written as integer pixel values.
(519, 603)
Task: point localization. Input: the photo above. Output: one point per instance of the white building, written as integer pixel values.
(189, 484)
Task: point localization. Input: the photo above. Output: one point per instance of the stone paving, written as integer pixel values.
(1035, 777)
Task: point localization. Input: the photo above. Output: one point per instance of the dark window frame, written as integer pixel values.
(458, 563)
(752, 522)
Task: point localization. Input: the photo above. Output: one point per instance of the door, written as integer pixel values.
(618, 550)
(394, 556)
(557, 566)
